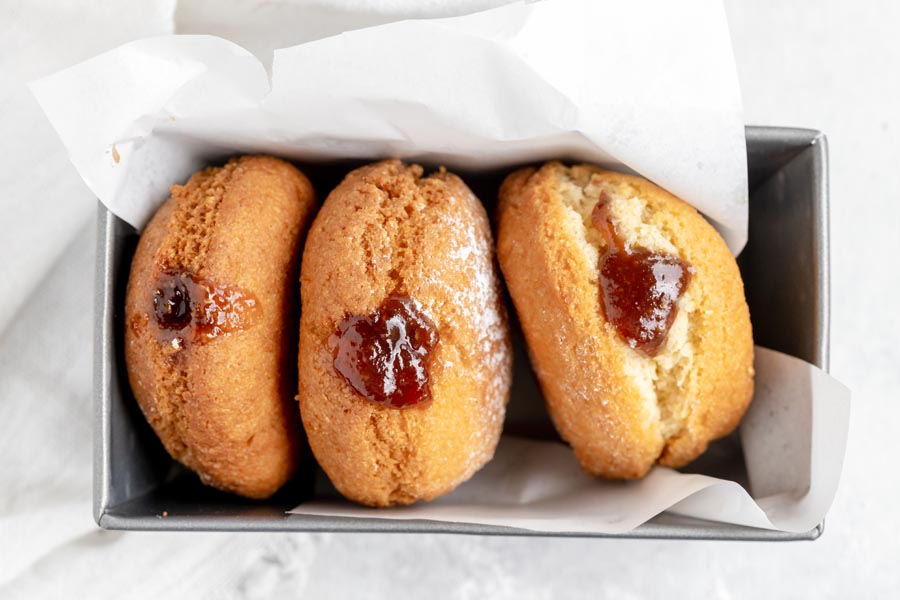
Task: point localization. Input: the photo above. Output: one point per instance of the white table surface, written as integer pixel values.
(833, 66)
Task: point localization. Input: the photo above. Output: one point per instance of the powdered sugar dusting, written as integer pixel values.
(475, 311)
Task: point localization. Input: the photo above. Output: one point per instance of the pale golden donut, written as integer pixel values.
(620, 408)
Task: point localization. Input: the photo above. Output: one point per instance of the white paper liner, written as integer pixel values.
(649, 86)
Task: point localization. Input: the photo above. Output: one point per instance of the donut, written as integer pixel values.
(210, 315)
(634, 314)
(404, 363)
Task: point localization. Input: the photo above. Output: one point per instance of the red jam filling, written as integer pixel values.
(639, 289)
(384, 356)
(189, 309)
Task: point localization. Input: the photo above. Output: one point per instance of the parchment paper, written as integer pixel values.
(649, 87)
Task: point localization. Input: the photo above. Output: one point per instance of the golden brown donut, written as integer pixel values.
(620, 406)
(387, 235)
(210, 319)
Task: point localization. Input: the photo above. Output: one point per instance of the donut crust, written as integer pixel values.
(621, 411)
(224, 408)
(387, 229)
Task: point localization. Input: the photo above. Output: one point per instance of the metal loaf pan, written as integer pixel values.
(785, 269)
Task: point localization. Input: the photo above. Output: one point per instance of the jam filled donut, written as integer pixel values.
(634, 314)
(405, 359)
(211, 322)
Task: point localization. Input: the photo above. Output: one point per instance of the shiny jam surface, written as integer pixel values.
(189, 309)
(639, 289)
(384, 356)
